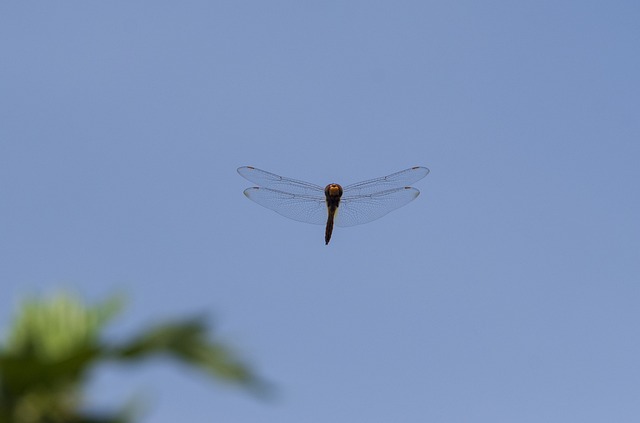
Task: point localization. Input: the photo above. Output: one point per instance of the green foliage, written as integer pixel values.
(53, 344)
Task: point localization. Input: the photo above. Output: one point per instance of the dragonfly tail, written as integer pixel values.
(329, 230)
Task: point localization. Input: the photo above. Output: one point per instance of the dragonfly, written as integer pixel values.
(351, 205)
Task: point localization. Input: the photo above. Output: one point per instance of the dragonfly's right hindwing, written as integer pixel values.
(307, 209)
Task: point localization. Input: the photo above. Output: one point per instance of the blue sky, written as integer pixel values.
(507, 291)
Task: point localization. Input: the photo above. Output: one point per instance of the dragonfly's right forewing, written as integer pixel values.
(271, 180)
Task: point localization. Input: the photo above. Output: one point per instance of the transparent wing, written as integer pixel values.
(401, 179)
(303, 208)
(280, 183)
(359, 209)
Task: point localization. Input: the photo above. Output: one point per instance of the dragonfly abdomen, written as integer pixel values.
(332, 193)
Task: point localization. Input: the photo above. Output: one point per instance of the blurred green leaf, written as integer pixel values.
(188, 342)
(56, 328)
(54, 343)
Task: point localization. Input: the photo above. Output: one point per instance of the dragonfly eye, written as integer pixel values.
(333, 190)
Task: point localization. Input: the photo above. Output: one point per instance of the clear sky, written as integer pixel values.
(508, 291)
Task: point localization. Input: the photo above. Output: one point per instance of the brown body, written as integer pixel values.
(332, 192)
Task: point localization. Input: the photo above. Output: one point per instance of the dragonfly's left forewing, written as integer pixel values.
(401, 179)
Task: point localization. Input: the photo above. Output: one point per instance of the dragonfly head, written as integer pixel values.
(333, 191)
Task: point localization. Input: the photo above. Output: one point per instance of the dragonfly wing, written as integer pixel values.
(359, 209)
(303, 208)
(280, 183)
(401, 179)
